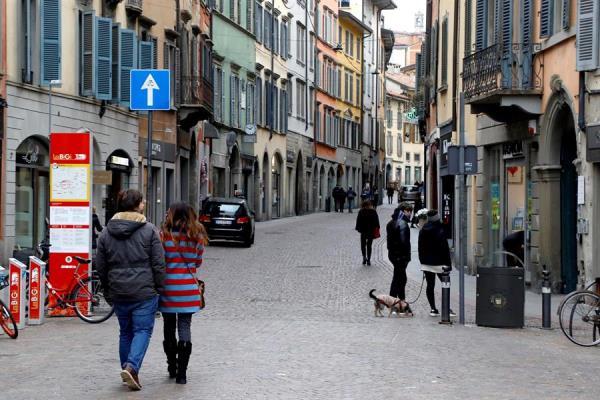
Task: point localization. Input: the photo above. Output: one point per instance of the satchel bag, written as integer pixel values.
(376, 233)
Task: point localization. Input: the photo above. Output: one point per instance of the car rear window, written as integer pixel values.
(216, 210)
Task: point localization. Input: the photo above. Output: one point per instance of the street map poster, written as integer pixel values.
(70, 209)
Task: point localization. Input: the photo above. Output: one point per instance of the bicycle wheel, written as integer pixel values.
(579, 317)
(9, 326)
(89, 301)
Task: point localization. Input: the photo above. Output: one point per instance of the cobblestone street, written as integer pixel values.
(290, 318)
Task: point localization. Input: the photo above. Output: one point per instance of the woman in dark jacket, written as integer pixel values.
(367, 222)
(131, 265)
(434, 255)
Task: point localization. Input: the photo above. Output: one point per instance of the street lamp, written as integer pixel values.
(53, 83)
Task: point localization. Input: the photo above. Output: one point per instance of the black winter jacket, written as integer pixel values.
(398, 239)
(130, 258)
(433, 246)
(366, 222)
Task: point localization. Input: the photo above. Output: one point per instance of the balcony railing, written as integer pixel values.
(496, 69)
(196, 91)
(134, 5)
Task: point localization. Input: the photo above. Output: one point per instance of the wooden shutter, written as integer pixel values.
(587, 35)
(27, 70)
(566, 14)
(526, 33)
(506, 42)
(445, 51)
(88, 62)
(50, 68)
(116, 62)
(498, 21)
(481, 25)
(146, 55)
(128, 62)
(546, 18)
(103, 58)
(154, 52)
(177, 76)
(468, 24)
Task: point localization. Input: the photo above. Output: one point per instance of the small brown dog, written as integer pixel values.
(381, 301)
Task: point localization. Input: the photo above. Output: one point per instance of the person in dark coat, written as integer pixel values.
(367, 222)
(434, 255)
(96, 228)
(351, 195)
(398, 245)
(515, 244)
(375, 196)
(343, 195)
(131, 265)
(390, 194)
(335, 194)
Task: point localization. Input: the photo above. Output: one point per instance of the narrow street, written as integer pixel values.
(290, 318)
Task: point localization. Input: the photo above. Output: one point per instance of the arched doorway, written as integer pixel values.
(120, 165)
(32, 191)
(299, 187)
(276, 185)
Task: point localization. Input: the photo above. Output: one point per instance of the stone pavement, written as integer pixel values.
(290, 318)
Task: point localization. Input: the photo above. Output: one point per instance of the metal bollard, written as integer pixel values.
(546, 299)
(446, 299)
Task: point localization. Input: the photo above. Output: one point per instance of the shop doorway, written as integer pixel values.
(276, 187)
(32, 192)
(120, 165)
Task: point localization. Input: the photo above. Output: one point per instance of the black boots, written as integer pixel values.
(171, 352)
(184, 349)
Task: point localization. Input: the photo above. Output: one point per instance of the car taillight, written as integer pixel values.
(204, 218)
(243, 220)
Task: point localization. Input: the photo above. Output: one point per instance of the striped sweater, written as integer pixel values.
(183, 256)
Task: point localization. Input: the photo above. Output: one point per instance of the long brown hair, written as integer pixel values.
(182, 218)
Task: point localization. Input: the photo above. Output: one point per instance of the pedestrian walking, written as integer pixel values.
(434, 255)
(367, 223)
(375, 196)
(335, 194)
(350, 195)
(399, 249)
(390, 194)
(343, 195)
(131, 266)
(183, 239)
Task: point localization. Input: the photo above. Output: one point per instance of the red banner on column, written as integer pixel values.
(70, 211)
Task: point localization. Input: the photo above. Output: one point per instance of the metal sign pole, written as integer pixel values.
(462, 255)
(149, 205)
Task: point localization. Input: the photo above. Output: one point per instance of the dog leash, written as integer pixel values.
(420, 291)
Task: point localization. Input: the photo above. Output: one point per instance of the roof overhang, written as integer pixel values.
(354, 21)
(385, 4)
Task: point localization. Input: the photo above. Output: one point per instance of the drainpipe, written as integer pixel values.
(581, 118)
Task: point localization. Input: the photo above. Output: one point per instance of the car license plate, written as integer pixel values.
(223, 222)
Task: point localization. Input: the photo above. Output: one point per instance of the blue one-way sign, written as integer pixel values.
(150, 89)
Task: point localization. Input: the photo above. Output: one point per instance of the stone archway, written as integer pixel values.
(557, 182)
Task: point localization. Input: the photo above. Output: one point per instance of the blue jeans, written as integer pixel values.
(136, 322)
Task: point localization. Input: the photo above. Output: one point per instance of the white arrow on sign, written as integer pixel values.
(150, 85)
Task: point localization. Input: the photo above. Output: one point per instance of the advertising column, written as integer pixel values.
(70, 212)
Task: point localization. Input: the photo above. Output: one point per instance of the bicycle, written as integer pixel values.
(9, 326)
(86, 296)
(579, 316)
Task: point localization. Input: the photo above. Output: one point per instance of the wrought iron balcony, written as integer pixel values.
(499, 77)
(134, 6)
(196, 98)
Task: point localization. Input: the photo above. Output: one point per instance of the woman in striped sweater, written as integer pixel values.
(183, 239)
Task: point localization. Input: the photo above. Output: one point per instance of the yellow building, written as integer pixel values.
(348, 105)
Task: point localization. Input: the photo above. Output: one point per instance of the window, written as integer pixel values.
(258, 22)
(445, 52)
(398, 119)
(301, 99)
(285, 40)
(96, 56)
(349, 47)
(290, 94)
(389, 144)
(250, 105)
(267, 29)
(418, 174)
(408, 157)
(276, 49)
(311, 51)
(311, 102)
(399, 146)
(388, 113)
(218, 92)
(171, 62)
(283, 110)
(249, 16)
(234, 93)
(259, 114)
(301, 43)
(417, 158)
(358, 48)
(407, 180)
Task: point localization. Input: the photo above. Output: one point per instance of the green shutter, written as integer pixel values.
(103, 58)
(88, 62)
(116, 62)
(50, 60)
(128, 62)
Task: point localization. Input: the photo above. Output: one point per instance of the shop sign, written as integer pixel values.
(102, 177)
(512, 149)
(160, 150)
(70, 212)
(445, 142)
(495, 193)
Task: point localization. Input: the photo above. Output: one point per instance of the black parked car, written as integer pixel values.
(228, 219)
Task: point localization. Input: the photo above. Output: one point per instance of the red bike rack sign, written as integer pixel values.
(37, 291)
(70, 210)
(17, 275)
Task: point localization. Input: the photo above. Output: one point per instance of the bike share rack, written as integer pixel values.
(27, 291)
